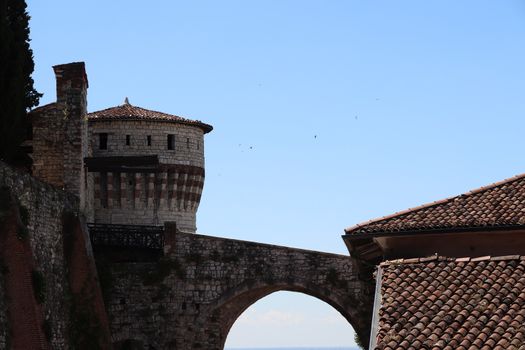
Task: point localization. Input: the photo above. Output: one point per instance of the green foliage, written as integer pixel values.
(359, 342)
(17, 93)
(39, 286)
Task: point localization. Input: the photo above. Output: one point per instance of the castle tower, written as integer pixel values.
(148, 166)
(59, 143)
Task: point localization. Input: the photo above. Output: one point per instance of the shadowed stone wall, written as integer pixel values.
(191, 297)
(49, 293)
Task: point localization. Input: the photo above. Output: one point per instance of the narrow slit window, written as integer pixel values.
(171, 141)
(188, 143)
(103, 140)
(128, 140)
(149, 140)
(198, 144)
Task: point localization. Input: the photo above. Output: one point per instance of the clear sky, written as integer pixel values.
(326, 113)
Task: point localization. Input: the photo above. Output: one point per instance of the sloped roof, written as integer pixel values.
(129, 112)
(499, 204)
(447, 303)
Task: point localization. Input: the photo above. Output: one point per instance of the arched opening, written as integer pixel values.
(290, 319)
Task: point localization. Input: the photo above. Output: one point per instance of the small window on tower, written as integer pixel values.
(149, 140)
(188, 143)
(171, 141)
(103, 140)
(128, 140)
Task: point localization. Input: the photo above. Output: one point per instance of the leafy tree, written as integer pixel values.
(17, 94)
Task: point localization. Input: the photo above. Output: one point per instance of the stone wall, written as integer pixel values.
(44, 205)
(42, 208)
(3, 309)
(145, 198)
(192, 297)
(189, 140)
(60, 135)
(48, 157)
(172, 194)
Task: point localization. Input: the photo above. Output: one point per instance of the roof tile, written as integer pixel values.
(476, 304)
(129, 112)
(496, 205)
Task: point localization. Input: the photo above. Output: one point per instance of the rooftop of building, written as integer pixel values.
(127, 111)
(451, 303)
(501, 204)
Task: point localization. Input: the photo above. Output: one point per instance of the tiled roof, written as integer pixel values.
(499, 204)
(129, 112)
(452, 304)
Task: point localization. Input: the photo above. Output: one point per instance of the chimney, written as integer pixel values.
(72, 84)
(71, 78)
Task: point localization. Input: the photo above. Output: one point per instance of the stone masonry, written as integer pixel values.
(42, 208)
(171, 193)
(191, 297)
(129, 165)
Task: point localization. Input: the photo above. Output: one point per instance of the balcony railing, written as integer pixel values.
(127, 236)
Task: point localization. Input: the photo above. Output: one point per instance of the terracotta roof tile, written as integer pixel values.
(496, 205)
(129, 112)
(463, 305)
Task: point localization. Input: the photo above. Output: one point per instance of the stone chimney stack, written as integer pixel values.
(72, 84)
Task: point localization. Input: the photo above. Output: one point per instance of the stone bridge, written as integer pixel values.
(191, 297)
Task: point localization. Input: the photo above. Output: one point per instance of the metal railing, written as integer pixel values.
(129, 236)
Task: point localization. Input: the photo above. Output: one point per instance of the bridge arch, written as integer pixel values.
(232, 303)
(192, 298)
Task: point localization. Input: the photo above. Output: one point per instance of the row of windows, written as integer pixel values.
(170, 141)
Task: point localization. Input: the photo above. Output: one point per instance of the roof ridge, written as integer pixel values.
(406, 261)
(435, 203)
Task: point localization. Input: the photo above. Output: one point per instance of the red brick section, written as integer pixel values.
(129, 112)
(83, 281)
(499, 204)
(452, 304)
(25, 315)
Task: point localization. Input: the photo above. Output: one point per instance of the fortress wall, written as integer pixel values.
(3, 310)
(189, 140)
(173, 194)
(43, 208)
(45, 205)
(190, 298)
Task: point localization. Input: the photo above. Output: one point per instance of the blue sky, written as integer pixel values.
(326, 113)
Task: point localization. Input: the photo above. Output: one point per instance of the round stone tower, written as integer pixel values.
(148, 166)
